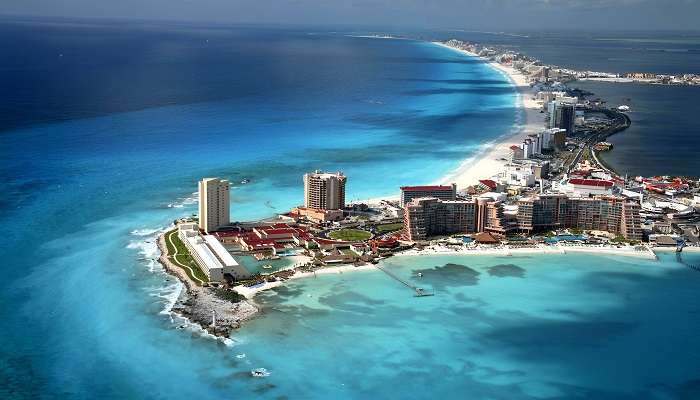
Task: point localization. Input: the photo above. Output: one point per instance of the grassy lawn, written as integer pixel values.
(350, 235)
(183, 256)
(389, 227)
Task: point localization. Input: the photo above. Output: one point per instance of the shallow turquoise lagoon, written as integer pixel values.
(573, 326)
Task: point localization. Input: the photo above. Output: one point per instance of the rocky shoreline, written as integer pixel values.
(198, 304)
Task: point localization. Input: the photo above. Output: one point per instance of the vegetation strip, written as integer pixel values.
(177, 249)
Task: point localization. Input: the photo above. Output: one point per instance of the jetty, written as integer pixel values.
(419, 292)
(679, 258)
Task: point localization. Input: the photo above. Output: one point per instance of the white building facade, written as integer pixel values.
(211, 256)
(214, 207)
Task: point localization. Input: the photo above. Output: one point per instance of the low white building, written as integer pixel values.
(520, 174)
(211, 256)
(577, 187)
(493, 196)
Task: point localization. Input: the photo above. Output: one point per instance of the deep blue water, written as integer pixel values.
(105, 130)
(664, 138)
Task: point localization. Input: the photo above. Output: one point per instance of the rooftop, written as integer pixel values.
(426, 188)
(490, 183)
(591, 182)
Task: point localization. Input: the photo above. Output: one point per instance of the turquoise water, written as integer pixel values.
(576, 326)
(101, 148)
(102, 143)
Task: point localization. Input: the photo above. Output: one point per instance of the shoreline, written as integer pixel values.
(489, 157)
(602, 250)
(528, 121)
(196, 303)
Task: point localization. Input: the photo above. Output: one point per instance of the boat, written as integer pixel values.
(623, 108)
(260, 372)
(245, 180)
(267, 266)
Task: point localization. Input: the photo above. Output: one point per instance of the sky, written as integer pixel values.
(448, 14)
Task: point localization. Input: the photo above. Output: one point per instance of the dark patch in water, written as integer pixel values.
(461, 297)
(264, 388)
(456, 81)
(507, 270)
(416, 125)
(530, 338)
(689, 389)
(287, 292)
(449, 275)
(486, 90)
(430, 60)
(566, 311)
(351, 302)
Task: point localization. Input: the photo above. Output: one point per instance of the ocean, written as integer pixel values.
(105, 127)
(664, 138)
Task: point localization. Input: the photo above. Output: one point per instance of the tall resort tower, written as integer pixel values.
(213, 204)
(324, 191)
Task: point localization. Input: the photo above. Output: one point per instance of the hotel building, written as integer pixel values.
(324, 197)
(562, 116)
(605, 213)
(211, 256)
(213, 204)
(324, 191)
(425, 217)
(429, 216)
(442, 192)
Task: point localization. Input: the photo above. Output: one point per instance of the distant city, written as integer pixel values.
(536, 67)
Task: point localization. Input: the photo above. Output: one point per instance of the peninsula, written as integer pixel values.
(540, 189)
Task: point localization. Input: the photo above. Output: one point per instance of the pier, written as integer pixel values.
(419, 292)
(679, 258)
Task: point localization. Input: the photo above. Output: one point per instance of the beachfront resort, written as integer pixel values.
(545, 189)
(219, 260)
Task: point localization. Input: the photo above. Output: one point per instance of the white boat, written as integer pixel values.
(623, 108)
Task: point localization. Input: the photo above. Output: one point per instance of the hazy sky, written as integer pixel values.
(486, 14)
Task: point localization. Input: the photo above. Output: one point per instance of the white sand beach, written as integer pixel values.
(627, 251)
(490, 160)
(493, 156)
(250, 292)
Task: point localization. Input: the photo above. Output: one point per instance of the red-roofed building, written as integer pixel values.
(588, 187)
(272, 237)
(442, 192)
(488, 185)
(590, 182)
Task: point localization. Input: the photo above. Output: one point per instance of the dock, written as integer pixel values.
(679, 258)
(418, 292)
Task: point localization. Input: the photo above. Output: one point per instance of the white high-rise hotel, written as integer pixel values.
(213, 204)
